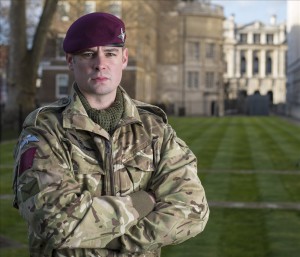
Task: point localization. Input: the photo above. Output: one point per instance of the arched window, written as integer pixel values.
(243, 63)
(269, 63)
(255, 63)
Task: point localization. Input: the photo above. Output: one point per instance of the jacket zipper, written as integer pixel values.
(110, 180)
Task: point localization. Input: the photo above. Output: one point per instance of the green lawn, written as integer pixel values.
(245, 159)
(240, 159)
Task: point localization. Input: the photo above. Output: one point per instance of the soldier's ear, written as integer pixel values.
(124, 58)
(70, 61)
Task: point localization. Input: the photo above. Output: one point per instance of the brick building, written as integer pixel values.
(175, 53)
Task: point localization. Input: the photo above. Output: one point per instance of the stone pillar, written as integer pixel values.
(230, 63)
(262, 64)
(249, 64)
(238, 64)
(281, 63)
(275, 64)
(263, 38)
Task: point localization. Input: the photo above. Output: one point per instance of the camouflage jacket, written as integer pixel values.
(73, 183)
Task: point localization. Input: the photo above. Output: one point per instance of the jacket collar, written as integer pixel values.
(75, 116)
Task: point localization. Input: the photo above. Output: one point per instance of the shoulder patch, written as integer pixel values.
(26, 160)
(28, 139)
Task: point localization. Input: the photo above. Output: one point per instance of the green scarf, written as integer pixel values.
(107, 118)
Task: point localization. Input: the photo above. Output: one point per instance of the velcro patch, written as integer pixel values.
(26, 160)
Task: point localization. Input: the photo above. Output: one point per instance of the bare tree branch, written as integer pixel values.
(40, 38)
(23, 62)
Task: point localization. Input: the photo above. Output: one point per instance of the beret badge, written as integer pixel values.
(122, 35)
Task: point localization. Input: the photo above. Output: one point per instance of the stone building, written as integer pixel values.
(255, 59)
(190, 62)
(175, 53)
(293, 59)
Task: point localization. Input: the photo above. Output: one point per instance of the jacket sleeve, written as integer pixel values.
(50, 200)
(181, 210)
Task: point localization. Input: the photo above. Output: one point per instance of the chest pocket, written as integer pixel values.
(87, 171)
(137, 169)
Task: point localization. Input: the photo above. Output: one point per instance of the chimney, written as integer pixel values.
(273, 19)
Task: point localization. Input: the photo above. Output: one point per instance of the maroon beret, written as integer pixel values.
(94, 29)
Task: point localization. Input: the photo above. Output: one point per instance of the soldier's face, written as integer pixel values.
(98, 70)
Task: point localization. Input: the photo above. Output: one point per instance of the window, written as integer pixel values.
(63, 10)
(256, 38)
(255, 63)
(193, 50)
(193, 79)
(89, 7)
(115, 8)
(243, 38)
(210, 50)
(209, 79)
(243, 63)
(269, 63)
(270, 39)
(59, 49)
(62, 82)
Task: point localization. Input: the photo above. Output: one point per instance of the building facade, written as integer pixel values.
(293, 59)
(255, 60)
(175, 53)
(190, 65)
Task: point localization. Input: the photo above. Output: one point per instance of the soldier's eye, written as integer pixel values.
(88, 55)
(110, 54)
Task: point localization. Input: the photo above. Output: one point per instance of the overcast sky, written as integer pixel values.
(246, 11)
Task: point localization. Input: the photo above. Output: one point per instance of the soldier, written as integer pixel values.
(101, 174)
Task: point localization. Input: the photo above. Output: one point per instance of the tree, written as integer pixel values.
(24, 59)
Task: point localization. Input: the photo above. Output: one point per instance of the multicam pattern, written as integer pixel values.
(75, 192)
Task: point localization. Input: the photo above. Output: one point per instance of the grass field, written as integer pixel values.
(244, 161)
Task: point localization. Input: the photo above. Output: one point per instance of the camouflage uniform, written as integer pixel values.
(73, 182)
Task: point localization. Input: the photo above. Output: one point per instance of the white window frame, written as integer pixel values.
(256, 38)
(60, 54)
(210, 50)
(193, 50)
(58, 84)
(209, 79)
(243, 38)
(270, 39)
(193, 79)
